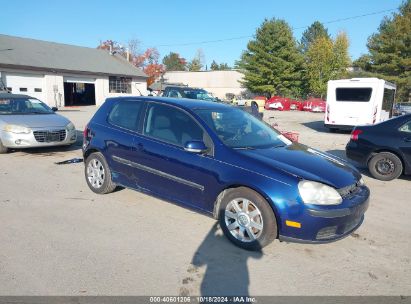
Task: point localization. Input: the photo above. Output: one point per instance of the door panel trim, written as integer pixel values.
(158, 172)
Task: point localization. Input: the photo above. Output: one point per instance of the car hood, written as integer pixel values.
(306, 163)
(36, 120)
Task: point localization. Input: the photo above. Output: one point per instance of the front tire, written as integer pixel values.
(98, 174)
(246, 219)
(385, 166)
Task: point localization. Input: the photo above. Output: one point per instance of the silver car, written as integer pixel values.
(26, 122)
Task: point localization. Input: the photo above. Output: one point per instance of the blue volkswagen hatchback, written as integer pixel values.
(224, 162)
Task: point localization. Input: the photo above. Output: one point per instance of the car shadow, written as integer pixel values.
(47, 151)
(226, 272)
(319, 127)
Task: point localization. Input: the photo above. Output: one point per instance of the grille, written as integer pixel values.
(50, 135)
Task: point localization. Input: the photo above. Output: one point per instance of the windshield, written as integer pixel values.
(240, 130)
(23, 106)
(199, 94)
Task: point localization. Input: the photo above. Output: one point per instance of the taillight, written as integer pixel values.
(355, 133)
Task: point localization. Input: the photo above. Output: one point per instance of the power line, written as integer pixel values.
(295, 28)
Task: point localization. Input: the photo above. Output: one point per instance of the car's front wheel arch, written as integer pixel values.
(218, 200)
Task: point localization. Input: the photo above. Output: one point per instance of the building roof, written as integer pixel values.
(16, 52)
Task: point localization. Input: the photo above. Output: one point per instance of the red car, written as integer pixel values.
(296, 105)
(314, 105)
(278, 103)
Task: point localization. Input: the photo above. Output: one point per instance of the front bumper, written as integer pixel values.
(324, 224)
(45, 137)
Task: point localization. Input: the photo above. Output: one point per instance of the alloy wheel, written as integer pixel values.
(95, 173)
(243, 220)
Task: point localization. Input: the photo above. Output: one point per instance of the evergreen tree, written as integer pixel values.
(195, 65)
(272, 62)
(312, 33)
(390, 51)
(223, 66)
(214, 66)
(173, 62)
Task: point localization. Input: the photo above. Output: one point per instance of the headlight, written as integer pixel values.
(318, 194)
(17, 129)
(70, 127)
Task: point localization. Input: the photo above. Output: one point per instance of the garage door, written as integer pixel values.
(32, 85)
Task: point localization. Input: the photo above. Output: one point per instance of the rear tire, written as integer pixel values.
(385, 166)
(3, 149)
(98, 174)
(247, 219)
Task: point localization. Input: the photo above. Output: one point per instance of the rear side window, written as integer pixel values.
(406, 127)
(125, 114)
(353, 94)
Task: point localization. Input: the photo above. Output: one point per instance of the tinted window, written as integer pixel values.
(353, 94)
(23, 106)
(171, 125)
(406, 127)
(174, 94)
(125, 114)
(238, 129)
(388, 99)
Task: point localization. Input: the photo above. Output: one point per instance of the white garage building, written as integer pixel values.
(66, 75)
(217, 82)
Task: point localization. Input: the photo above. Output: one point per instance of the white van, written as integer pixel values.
(358, 101)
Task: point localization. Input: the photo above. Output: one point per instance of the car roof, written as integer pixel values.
(185, 103)
(10, 95)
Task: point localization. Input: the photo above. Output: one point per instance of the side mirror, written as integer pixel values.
(195, 146)
(54, 109)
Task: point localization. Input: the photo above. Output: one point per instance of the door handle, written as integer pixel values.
(407, 139)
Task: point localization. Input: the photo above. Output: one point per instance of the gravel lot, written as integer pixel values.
(59, 238)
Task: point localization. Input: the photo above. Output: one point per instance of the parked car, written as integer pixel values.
(188, 92)
(401, 108)
(26, 122)
(278, 103)
(385, 147)
(222, 161)
(296, 105)
(314, 105)
(257, 103)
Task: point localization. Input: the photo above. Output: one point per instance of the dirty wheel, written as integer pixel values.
(246, 219)
(385, 166)
(98, 175)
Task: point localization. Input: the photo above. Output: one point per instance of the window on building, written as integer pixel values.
(38, 90)
(119, 84)
(23, 89)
